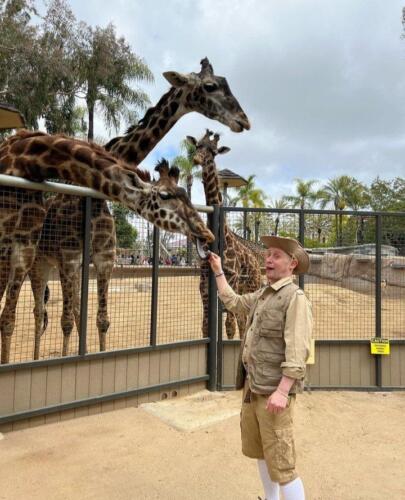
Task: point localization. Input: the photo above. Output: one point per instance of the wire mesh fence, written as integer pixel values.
(357, 275)
(153, 289)
(123, 283)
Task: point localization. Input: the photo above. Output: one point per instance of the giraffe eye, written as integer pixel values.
(210, 87)
(165, 195)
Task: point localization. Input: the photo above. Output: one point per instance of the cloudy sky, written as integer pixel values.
(322, 81)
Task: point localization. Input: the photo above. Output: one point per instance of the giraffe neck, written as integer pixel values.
(211, 183)
(142, 138)
(38, 156)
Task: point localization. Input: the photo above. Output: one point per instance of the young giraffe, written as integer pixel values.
(204, 93)
(38, 156)
(241, 267)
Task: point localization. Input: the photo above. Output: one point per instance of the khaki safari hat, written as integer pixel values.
(291, 247)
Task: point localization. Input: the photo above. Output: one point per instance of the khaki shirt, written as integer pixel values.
(297, 329)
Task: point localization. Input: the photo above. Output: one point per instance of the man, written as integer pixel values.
(272, 362)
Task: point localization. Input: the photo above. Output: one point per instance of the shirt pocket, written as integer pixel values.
(271, 327)
(271, 346)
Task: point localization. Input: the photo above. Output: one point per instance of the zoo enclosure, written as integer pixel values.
(156, 349)
(356, 286)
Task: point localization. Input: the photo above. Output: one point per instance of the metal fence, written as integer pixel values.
(153, 295)
(356, 280)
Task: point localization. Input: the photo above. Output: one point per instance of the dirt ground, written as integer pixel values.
(350, 446)
(339, 313)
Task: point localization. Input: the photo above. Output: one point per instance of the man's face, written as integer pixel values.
(278, 264)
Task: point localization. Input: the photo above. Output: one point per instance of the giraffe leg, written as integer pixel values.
(76, 299)
(21, 261)
(241, 320)
(39, 277)
(230, 322)
(67, 281)
(204, 296)
(4, 272)
(104, 272)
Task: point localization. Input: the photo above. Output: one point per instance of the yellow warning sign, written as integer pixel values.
(311, 358)
(380, 346)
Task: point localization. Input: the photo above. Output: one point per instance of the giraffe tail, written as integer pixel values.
(47, 294)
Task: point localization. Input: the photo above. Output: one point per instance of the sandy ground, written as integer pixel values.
(350, 446)
(339, 313)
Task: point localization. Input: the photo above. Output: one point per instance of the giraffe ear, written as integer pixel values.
(223, 149)
(176, 79)
(192, 140)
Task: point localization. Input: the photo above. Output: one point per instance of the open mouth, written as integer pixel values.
(202, 249)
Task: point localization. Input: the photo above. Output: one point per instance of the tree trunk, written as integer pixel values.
(90, 133)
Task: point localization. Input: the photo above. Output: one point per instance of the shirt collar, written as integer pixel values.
(280, 283)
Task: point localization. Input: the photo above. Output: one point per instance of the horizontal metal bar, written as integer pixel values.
(79, 403)
(333, 341)
(204, 208)
(56, 187)
(368, 388)
(313, 211)
(53, 187)
(309, 388)
(97, 355)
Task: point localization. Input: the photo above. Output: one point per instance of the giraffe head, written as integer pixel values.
(206, 149)
(209, 95)
(168, 206)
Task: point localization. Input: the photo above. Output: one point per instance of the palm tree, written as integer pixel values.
(250, 196)
(337, 191)
(108, 67)
(281, 203)
(188, 171)
(305, 196)
(358, 198)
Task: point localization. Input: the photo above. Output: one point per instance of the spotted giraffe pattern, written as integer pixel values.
(38, 156)
(240, 265)
(204, 93)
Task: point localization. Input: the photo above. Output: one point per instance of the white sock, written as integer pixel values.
(271, 489)
(293, 490)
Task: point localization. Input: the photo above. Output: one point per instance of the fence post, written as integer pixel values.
(84, 296)
(378, 227)
(212, 308)
(155, 285)
(220, 351)
(301, 237)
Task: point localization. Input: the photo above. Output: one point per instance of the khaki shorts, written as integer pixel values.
(269, 436)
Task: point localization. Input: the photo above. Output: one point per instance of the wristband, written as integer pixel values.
(219, 274)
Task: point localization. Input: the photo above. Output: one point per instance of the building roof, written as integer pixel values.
(231, 179)
(10, 117)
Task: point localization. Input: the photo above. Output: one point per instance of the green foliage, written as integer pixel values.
(188, 170)
(125, 231)
(107, 70)
(46, 64)
(250, 196)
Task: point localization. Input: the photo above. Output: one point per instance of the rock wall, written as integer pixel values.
(339, 267)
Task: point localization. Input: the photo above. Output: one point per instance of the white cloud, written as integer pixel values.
(323, 81)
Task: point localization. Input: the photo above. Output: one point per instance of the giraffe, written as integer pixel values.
(241, 267)
(201, 92)
(38, 156)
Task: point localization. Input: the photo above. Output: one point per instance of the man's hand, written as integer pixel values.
(277, 402)
(215, 262)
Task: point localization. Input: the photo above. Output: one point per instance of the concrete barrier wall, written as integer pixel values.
(339, 267)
